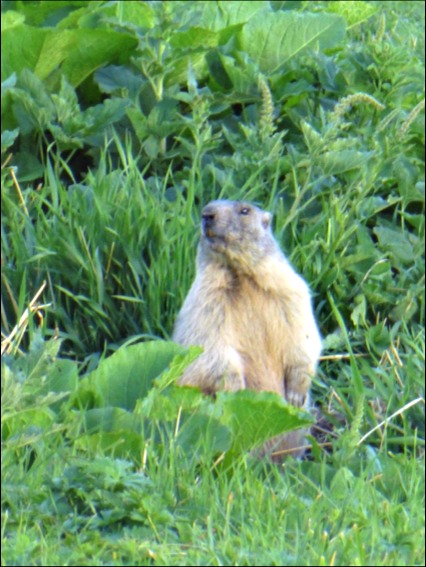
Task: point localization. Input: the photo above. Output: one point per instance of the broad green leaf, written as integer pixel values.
(194, 38)
(115, 79)
(286, 4)
(11, 19)
(81, 52)
(273, 39)
(230, 73)
(36, 365)
(7, 138)
(127, 375)
(162, 119)
(396, 242)
(8, 83)
(62, 377)
(139, 14)
(133, 14)
(29, 167)
(165, 400)
(66, 103)
(406, 174)
(21, 48)
(378, 338)
(139, 122)
(219, 15)
(152, 146)
(98, 117)
(85, 17)
(32, 105)
(111, 419)
(217, 69)
(178, 72)
(353, 11)
(255, 417)
(47, 12)
(337, 162)
(407, 307)
(204, 435)
(176, 369)
(370, 206)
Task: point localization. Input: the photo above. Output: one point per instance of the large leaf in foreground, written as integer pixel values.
(255, 417)
(275, 38)
(128, 374)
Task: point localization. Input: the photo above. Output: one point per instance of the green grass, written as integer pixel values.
(309, 513)
(106, 167)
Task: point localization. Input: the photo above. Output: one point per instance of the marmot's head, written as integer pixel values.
(236, 231)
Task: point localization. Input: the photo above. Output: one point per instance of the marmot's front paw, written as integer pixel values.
(297, 399)
(297, 384)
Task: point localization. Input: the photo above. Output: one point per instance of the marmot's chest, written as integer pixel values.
(256, 313)
(260, 332)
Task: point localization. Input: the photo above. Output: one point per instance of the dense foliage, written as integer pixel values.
(120, 120)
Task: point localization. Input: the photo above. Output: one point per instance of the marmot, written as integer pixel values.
(249, 310)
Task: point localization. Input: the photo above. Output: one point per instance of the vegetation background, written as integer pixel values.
(119, 121)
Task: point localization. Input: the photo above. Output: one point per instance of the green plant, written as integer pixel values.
(120, 120)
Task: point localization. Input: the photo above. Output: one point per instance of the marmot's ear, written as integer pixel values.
(266, 220)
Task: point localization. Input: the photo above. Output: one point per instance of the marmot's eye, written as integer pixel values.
(245, 211)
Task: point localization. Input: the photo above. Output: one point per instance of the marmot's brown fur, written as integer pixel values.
(249, 310)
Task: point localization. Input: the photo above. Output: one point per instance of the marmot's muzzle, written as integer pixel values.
(207, 223)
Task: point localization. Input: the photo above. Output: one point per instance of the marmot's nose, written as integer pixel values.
(208, 219)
